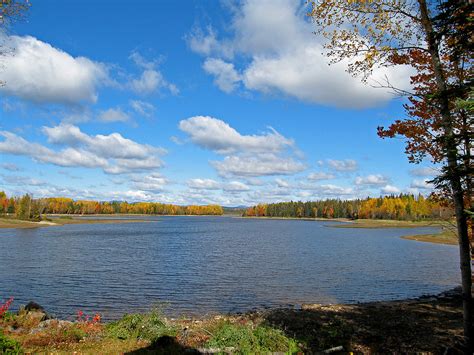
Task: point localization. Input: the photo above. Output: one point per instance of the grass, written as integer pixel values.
(446, 236)
(248, 338)
(150, 326)
(386, 223)
(9, 346)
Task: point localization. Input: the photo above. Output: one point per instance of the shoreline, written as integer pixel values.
(430, 323)
(444, 236)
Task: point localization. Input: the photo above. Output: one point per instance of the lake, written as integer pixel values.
(201, 265)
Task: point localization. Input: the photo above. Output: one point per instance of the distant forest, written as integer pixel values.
(401, 207)
(28, 208)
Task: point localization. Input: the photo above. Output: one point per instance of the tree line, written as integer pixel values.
(27, 208)
(401, 207)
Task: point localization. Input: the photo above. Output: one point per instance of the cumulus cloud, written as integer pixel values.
(38, 72)
(225, 75)
(151, 79)
(113, 153)
(267, 154)
(371, 180)
(343, 165)
(389, 190)
(114, 115)
(214, 134)
(282, 55)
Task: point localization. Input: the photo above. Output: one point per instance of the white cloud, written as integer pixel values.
(371, 180)
(389, 190)
(282, 55)
(421, 184)
(148, 82)
(176, 140)
(204, 184)
(143, 108)
(235, 186)
(38, 72)
(321, 176)
(153, 182)
(217, 135)
(151, 80)
(225, 75)
(207, 44)
(258, 165)
(112, 153)
(114, 115)
(23, 181)
(282, 183)
(246, 155)
(423, 172)
(113, 145)
(343, 165)
(10, 167)
(326, 190)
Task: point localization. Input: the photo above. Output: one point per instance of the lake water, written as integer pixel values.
(201, 265)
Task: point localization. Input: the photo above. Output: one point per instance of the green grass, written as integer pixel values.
(9, 346)
(150, 326)
(244, 339)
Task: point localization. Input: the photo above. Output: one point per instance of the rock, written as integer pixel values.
(33, 312)
(50, 323)
(36, 316)
(55, 322)
(33, 306)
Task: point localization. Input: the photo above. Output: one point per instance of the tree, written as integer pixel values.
(434, 39)
(12, 10)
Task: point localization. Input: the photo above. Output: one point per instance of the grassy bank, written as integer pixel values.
(428, 325)
(387, 223)
(446, 236)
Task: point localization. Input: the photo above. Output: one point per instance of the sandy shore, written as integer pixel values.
(57, 221)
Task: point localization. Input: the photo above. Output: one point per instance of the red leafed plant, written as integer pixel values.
(84, 318)
(4, 307)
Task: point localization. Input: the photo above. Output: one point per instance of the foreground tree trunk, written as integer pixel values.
(454, 176)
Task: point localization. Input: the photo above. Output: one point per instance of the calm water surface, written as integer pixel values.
(202, 265)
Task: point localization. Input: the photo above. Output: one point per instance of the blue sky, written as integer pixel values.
(191, 102)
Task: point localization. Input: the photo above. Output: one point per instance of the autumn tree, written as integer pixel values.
(435, 40)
